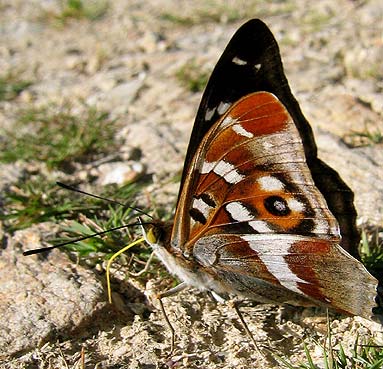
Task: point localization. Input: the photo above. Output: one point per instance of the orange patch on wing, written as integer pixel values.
(251, 102)
(221, 218)
(255, 197)
(213, 184)
(238, 156)
(260, 113)
(311, 247)
(223, 142)
(265, 125)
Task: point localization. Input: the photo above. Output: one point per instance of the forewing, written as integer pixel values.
(251, 62)
(250, 176)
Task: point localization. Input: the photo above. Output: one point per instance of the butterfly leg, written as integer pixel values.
(146, 268)
(159, 297)
(264, 352)
(234, 305)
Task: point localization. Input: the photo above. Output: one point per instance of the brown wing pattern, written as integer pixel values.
(289, 269)
(250, 176)
(251, 213)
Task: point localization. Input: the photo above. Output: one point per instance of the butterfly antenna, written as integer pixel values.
(75, 189)
(43, 249)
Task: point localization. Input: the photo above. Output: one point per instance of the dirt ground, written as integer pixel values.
(126, 62)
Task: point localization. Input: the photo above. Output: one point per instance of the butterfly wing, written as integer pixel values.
(251, 214)
(251, 62)
(290, 269)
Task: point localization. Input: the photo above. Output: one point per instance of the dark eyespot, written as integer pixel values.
(277, 205)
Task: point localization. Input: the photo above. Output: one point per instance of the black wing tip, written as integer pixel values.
(255, 22)
(254, 28)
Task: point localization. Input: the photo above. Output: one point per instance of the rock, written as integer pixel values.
(116, 95)
(361, 169)
(119, 173)
(148, 42)
(42, 297)
(124, 93)
(10, 174)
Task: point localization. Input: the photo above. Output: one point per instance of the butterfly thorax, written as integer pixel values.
(181, 264)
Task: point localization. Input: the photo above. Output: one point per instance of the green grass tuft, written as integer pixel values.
(366, 137)
(212, 11)
(361, 356)
(38, 200)
(35, 201)
(191, 76)
(317, 20)
(11, 85)
(58, 136)
(91, 10)
(207, 14)
(371, 250)
(80, 9)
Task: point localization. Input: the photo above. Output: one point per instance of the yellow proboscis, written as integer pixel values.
(110, 261)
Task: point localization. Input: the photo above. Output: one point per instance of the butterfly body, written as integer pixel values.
(259, 215)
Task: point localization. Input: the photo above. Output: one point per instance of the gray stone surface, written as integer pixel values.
(43, 297)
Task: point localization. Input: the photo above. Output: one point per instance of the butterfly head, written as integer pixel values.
(156, 233)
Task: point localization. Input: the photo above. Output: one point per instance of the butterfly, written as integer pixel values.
(259, 215)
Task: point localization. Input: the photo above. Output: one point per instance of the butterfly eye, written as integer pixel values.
(151, 236)
(277, 205)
